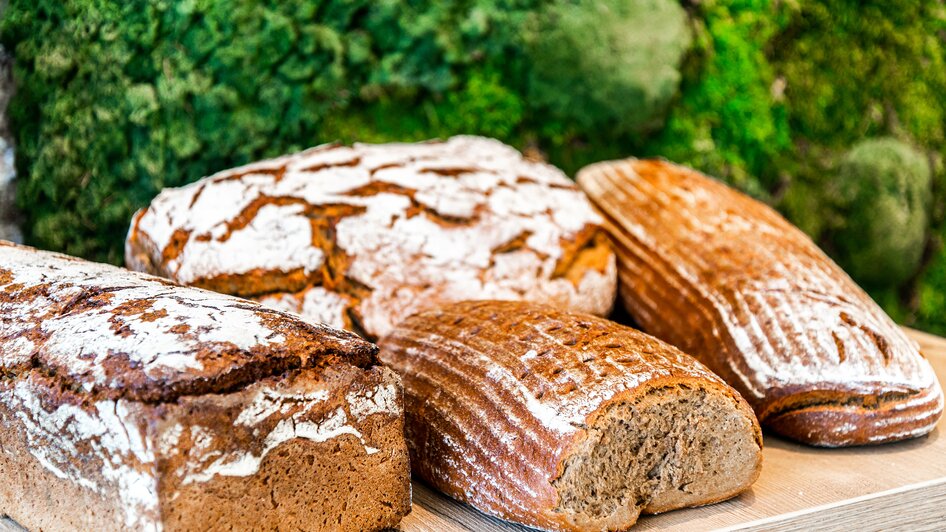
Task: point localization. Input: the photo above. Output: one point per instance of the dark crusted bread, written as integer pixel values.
(360, 237)
(727, 279)
(130, 403)
(566, 421)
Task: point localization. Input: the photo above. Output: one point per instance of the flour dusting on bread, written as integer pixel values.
(391, 229)
(725, 278)
(132, 403)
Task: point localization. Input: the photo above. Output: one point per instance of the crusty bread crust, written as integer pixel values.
(360, 237)
(501, 397)
(727, 279)
(130, 403)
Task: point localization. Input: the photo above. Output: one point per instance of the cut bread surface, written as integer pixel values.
(565, 421)
(669, 448)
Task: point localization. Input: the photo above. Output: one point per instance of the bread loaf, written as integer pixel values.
(130, 403)
(565, 421)
(360, 237)
(727, 279)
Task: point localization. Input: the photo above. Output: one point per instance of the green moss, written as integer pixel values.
(883, 194)
(931, 311)
(859, 69)
(121, 99)
(607, 66)
(117, 100)
(728, 122)
(853, 71)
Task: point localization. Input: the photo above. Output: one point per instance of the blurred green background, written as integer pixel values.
(832, 111)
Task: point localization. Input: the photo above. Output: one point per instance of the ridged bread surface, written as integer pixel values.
(498, 394)
(727, 279)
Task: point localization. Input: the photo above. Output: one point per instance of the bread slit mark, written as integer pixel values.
(381, 187)
(176, 245)
(355, 321)
(324, 166)
(842, 352)
(516, 243)
(449, 171)
(818, 398)
(194, 198)
(276, 172)
(878, 340)
(323, 211)
(589, 250)
(416, 208)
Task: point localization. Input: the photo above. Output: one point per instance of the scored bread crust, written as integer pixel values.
(727, 279)
(502, 397)
(362, 236)
(131, 403)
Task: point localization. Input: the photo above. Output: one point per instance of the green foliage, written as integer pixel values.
(121, 99)
(931, 297)
(861, 69)
(853, 71)
(728, 122)
(606, 66)
(883, 193)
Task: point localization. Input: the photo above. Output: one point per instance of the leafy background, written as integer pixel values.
(832, 111)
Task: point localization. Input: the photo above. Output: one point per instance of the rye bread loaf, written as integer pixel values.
(130, 403)
(727, 279)
(565, 421)
(360, 237)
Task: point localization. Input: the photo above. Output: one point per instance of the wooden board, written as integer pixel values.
(899, 486)
(891, 487)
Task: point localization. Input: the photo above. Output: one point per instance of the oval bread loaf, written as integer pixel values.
(565, 421)
(727, 279)
(360, 237)
(131, 403)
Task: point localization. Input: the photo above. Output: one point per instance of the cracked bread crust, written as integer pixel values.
(128, 403)
(360, 237)
(506, 401)
(114, 333)
(727, 279)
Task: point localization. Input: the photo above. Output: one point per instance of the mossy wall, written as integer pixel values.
(784, 100)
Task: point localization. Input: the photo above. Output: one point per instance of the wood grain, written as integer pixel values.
(900, 486)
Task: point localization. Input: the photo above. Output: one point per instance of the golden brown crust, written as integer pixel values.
(726, 278)
(127, 402)
(362, 236)
(498, 395)
(116, 333)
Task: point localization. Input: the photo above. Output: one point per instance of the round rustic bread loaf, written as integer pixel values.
(565, 421)
(362, 236)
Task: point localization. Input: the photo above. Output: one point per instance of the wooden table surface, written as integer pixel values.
(899, 486)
